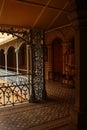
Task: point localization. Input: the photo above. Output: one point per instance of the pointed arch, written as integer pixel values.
(11, 58)
(2, 58)
(22, 57)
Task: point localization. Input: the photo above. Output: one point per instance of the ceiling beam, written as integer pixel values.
(41, 13)
(43, 5)
(2, 6)
(63, 26)
(57, 16)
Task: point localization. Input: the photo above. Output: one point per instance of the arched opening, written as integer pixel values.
(2, 59)
(22, 58)
(57, 59)
(11, 59)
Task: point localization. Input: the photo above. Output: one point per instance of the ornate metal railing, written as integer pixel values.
(11, 94)
(15, 90)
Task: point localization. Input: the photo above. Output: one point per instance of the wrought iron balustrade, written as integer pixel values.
(15, 90)
(11, 94)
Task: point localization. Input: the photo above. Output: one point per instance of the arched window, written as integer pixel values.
(11, 58)
(22, 56)
(2, 58)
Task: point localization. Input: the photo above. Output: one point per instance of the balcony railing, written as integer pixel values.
(11, 94)
(14, 89)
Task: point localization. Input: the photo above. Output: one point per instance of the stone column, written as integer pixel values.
(17, 66)
(5, 61)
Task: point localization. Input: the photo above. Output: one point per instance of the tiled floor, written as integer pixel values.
(48, 115)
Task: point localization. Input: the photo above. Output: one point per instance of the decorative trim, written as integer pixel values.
(13, 29)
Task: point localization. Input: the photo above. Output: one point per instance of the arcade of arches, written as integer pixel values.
(59, 58)
(11, 58)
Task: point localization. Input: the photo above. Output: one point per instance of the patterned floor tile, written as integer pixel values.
(39, 116)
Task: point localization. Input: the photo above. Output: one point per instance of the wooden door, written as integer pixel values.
(57, 60)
